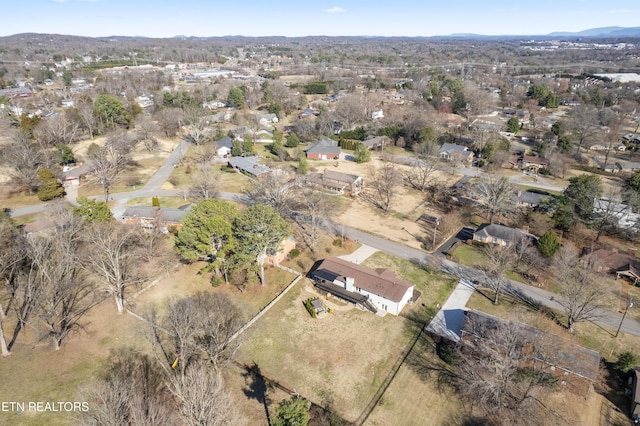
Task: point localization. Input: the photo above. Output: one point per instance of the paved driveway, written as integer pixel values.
(463, 234)
(448, 321)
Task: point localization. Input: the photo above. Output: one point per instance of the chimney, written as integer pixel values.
(631, 251)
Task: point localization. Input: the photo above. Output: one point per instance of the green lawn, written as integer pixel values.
(434, 286)
(469, 255)
(169, 202)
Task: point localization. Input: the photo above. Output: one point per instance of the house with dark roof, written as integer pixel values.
(528, 163)
(623, 265)
(149, 217)
(451, 151)
(531, 199)
(377, 290)
(342, 183)
(224, 147)
(250, 166)
(576, 367)
(324, 149)
(376, 142)
(492, 233)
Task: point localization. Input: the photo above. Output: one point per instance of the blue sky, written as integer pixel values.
(167, 18)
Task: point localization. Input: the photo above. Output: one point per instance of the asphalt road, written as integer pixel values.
(527, 293)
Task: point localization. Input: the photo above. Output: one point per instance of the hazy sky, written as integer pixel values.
(167, 18)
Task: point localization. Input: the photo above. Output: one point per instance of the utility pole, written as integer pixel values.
(629, 305)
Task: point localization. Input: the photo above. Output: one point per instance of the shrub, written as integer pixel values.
(309, 307)
(294, 253)
(216, 281)
(625, 363)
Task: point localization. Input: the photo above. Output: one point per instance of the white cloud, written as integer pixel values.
(59, 1)
(624, 12)
(335, 9)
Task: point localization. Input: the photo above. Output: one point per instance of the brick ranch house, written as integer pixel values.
(375, 290)
(151, 217)
(342, 183)
(324, 149)
(491, 233)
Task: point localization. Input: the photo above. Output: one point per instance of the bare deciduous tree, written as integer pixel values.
(108, 162)
(65, 293)
(205, 182)
(169, 120)
(490, 366)
(196, 127)
(583, 124)
(313, 207)
(275, 190)
(113, 258)
(202, 398)
(12, 269)
(584, 293)
(25, 158)
(58, 129)
(350, 110)
(147, 129)
(197, 327)
(496, 195)
(382, 183)
(133, 391)
(88, 119)
(419, 175)
(500, 260)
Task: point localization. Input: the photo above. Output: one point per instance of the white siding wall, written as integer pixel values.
(349, 284)
(391, 307)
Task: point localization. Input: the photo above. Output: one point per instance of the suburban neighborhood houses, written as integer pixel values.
(319, 230)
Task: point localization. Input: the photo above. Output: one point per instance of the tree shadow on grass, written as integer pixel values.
(611, 385)
(257, 387)
(428, 355)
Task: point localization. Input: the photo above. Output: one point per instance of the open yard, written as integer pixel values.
(35, 372)
(344, 356)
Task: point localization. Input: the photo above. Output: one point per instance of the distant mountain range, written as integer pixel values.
(604, 32)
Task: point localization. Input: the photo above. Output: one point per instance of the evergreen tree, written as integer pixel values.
(303, 164)
(361, 154)
(49, 187)
(293, 140)
(235, 99)
(548, 244)
(292, 412)
(92, 210)
(236, 148)
(64, 154)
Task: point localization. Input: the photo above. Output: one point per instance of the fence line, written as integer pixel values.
(270, 304)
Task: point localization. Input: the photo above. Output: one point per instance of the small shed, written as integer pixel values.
(318, 306)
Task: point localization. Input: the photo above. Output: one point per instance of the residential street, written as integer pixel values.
(526, 292)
